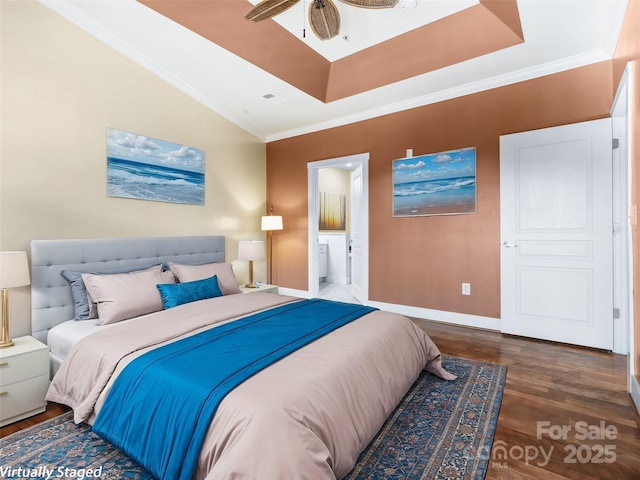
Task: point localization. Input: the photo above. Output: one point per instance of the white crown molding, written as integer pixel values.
(549, 68)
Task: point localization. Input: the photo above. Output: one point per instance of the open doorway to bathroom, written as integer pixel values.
(338, 227)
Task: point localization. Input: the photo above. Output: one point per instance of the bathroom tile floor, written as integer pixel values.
(337, 291)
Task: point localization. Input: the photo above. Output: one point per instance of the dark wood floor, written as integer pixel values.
(565, 413)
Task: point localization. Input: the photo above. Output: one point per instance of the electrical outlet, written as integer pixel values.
(466, 289)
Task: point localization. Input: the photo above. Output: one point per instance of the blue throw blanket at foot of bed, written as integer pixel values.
(160, 406)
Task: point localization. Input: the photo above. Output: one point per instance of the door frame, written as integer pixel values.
(359, 159)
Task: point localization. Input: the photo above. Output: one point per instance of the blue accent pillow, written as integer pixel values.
(174, 294)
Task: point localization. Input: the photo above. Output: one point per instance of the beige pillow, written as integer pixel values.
(226, 278)
(126, 295)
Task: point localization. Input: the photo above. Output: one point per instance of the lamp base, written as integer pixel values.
(5, 339)
(251, 283)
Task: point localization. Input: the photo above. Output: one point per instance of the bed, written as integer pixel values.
(307, 413)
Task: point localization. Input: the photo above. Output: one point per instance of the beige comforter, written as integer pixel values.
(308, 416)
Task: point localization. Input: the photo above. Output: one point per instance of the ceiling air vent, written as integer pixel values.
(275, 99)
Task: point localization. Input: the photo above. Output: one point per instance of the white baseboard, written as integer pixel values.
(487, 323)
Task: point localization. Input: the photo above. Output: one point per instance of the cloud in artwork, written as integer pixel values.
(184, 157)
(151, 151)
(410, 166)
(451, 164)
(438, 159)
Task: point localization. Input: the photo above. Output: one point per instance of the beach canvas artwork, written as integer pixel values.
(146, 168)
(435, 184)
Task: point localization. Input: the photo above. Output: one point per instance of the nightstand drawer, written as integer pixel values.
(22, 399)
(15, 368)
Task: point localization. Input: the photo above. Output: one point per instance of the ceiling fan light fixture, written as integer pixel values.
(371, 3)
(268, 8)
(324, 19)
(408, 4)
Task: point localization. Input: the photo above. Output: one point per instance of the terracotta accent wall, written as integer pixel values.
(422, 261)
(628, 47)
(628, 50)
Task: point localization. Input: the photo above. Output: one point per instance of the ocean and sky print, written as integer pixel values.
(436, 184)
(150, 169)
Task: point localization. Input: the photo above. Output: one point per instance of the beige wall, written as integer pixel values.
(60, 91)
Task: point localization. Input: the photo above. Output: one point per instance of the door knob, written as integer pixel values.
(509, 245)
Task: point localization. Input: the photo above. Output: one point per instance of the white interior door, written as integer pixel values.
(358, 236)
(556, 234)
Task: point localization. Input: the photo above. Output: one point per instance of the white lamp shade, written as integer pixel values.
(251, 250)
(14, 269)
(272, 222)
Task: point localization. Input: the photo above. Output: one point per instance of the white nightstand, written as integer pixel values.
(262, 288)
(24, 379)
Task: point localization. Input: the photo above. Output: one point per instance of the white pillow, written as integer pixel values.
(126, 295)
(226, 278)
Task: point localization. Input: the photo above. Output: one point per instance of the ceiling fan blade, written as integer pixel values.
(371, 3)
(268, 8)
(324, 19)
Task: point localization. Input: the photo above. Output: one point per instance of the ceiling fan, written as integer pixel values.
(324, 17)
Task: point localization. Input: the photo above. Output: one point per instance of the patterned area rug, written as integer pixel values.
(440, 430)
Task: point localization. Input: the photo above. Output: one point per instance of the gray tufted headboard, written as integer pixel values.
(51, 301)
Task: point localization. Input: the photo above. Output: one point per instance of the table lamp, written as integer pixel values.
(14, 272)
(251, 250)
